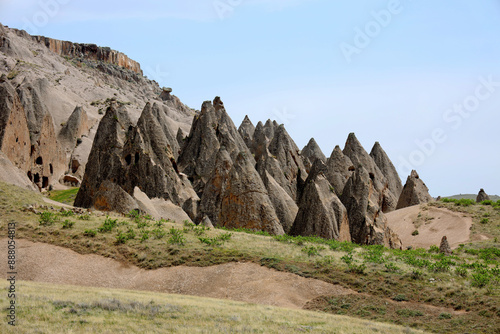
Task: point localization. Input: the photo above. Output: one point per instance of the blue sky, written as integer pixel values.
(421, 77)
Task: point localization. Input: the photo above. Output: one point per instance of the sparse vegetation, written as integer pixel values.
(466, 281)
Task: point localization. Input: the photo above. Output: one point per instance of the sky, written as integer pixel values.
(422, 77)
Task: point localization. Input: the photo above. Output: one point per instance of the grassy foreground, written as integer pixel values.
(418, 288)
(46, 308)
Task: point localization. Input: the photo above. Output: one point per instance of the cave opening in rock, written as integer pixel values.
(30, 176)
(74, 166)
(36, 178)
(39, 161)
(45, 182)
(51, 169)
(136, 159)
(128, 159)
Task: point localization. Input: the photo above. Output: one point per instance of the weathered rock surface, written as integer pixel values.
(355, 151)
(310, 153)
(89, 51)
(285, 207)
(245, 201)
(76, 126)
(12, 175)
(387, 168)
(286, 152)
(27, 134)
(105, 161)
(15, 140)
(246, 131)
(339, 169)
(444, 247)
(321, 212)
(414, 192)
(367, 222)
(136, 159)
(211, 129)
(482, 196)
(211, 199)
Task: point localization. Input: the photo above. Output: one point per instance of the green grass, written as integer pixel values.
(64, 196)
(466, 281)
(48, 308)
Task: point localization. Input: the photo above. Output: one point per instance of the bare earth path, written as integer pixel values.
(432, 225)
(247, 282)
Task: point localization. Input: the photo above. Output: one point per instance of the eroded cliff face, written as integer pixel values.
(90, 52)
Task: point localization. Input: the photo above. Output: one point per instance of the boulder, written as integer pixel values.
(321, 212)
(310, 153)
(414, 192)
(444, 247)
(367, 222)
(245, 201)
(482, 196)
(165, 94)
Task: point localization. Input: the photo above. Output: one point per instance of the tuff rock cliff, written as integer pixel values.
(94, 121)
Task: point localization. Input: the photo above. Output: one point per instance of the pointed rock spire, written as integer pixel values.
(414, 192)
(246, 131)
(339, 170)
(387, 168)
(245, 201)
(321, 212)
(367, 223)
(310, 153)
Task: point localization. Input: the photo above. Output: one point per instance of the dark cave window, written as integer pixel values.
(39, 161)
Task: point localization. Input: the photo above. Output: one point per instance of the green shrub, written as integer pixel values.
(159, 233)
(487, 202)
(176, 237)
(84, 217)
(47, 218)
(144, 235)
(108, 225)
(484, 221)
(348, 258)
(374, 254)
(460, 271)
(134, 214)
(67, 224)
(90, 233)
(391, 267)
(67, 213)
(416, 274)
(433, 249)
(414, 233)
(311, 250)
(445, 316)
(356, 269)
(400, 298)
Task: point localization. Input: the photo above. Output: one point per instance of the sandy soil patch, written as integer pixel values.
(247, 282)
(432, 225)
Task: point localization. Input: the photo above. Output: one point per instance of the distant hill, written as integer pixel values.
(472, 196)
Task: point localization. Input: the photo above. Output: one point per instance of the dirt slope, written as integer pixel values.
(432, 224)
(246, 282)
